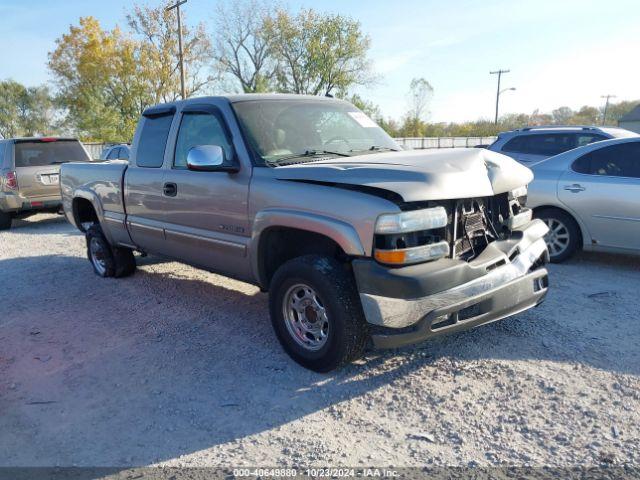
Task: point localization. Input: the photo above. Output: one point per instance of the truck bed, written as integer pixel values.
(100, 183)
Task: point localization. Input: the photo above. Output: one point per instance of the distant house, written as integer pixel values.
(631, 121)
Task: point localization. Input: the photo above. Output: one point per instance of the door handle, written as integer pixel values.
(575, 188)
(170, 189)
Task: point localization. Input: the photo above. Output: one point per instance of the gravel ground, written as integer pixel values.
(176, 366)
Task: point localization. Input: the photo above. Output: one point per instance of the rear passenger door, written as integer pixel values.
(144, 181)
(206, 212)
(603, 188)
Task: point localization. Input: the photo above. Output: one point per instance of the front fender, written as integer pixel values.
(340, 232)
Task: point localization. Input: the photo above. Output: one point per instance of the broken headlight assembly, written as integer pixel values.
(411, 237)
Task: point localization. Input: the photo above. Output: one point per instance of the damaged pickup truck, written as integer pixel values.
(354, 239)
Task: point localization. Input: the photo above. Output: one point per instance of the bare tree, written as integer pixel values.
(420, 94)
(242, 47)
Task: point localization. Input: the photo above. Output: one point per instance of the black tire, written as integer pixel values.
(112, 261)
(5, 221)
(565, 225)
(335, 288)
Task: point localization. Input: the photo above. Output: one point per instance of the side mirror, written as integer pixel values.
(208, 158)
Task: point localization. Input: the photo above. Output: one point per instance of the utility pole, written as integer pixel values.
(181, 59)
(606, 107)
(499, 73)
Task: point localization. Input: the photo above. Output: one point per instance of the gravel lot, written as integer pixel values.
(176, 366)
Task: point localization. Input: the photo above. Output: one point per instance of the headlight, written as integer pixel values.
(413, 221)
(408, 256)
(518, 192)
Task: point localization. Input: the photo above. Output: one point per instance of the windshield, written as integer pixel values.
(51, 152)
(285, 129)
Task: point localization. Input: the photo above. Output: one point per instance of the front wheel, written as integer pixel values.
(316, 313)
(108, 261)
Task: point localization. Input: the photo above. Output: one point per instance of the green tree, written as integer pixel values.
(370, 108)
(586, 116)
(99, 81)
(318, 54)
(156, 31)
(562, 115)
(26, 111)
(617, 110)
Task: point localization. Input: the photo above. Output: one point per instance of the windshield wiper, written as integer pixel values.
(308, 153)
(376, 148)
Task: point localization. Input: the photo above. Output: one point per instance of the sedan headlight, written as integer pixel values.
(413, 221)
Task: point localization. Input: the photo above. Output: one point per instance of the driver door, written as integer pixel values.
(206, 213)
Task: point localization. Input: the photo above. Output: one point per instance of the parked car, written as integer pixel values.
(115, 152)
(532, 144)
(29, 175)
(590, 198)
(309, 199)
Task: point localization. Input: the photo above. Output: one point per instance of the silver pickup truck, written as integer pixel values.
(354, 239)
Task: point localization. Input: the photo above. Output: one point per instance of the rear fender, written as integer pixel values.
(87, 194)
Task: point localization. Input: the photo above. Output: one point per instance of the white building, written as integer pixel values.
(631, 121)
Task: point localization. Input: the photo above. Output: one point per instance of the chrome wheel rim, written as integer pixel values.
(305, 317)
(557, 238)
(98, 256)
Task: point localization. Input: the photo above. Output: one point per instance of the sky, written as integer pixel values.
(559, 52)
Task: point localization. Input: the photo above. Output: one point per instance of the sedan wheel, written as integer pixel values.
(558, 238)
(563, 238)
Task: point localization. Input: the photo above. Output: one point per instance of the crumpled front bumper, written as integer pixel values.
(411, 304)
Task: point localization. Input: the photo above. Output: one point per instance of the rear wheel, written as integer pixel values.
(5, 221)
(563, 238)
(108, 261)
(316, 312)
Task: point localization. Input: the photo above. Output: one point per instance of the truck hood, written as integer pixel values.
(419, 175)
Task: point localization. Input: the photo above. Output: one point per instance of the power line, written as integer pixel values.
(181, 56)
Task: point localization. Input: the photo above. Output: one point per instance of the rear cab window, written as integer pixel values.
(153, 137)
(40, 153)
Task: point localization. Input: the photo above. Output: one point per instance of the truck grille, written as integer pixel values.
(475, 223)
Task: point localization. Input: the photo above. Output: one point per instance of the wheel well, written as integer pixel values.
(83, 212)
(281, 244)
(536, 210)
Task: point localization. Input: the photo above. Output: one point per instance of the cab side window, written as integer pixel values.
(197, 129)
(622, 160)
(153, 141)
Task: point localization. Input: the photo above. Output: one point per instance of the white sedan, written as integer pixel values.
(590, 198)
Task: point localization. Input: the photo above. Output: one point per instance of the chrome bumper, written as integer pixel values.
(502, 291)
